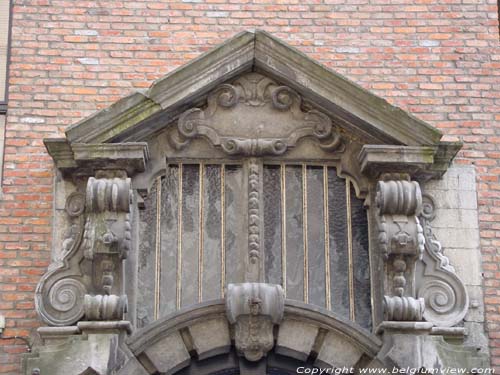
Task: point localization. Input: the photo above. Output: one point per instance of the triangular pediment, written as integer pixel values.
(352, 109)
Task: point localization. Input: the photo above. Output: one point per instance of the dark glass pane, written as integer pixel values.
(272, 224)
(212, 242)
(294, 233)
(339, 258)
(190, 233)
(235, 223)
(169, 244)
(147, 260)
(362, 295)
(316, 236)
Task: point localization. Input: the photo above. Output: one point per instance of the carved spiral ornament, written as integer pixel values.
(67, 297)
(227, 96)
(283, 97)
(428, 207)
(75, 204)
(441, 300)
(188, 122)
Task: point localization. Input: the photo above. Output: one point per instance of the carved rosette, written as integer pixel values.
(99, 238)
(401, 242)
(246, 102)
(254, 309)
(444, 293)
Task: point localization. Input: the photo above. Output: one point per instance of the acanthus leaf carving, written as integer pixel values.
(254, 309)
(98, 239)
(238, 120)
(444, 293)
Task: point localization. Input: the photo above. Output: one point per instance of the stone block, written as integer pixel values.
(296, 339)
(169, 354)
(132, 367)
(476, 304)
(458, 238)
(467, 265)
(210, 337)
(337, 351)
(455, 218)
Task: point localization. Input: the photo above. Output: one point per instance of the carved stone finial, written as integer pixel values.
(254, 308)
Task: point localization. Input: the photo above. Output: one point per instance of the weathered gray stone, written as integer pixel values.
(467, 263)
(476, 305)
(210, 337)
(169, 354)
(337, 351)
(296, 339)
(132, 367)
(74, 355)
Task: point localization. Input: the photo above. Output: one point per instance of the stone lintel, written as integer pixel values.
(105, 326)
(131, 157)
(61, 152)
(107, 123)
(416, 328)
(421, 162)
(378, 159)
(451, 332)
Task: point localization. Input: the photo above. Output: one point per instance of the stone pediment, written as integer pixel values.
(307, 100)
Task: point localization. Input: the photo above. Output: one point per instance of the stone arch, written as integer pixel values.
(307, 335)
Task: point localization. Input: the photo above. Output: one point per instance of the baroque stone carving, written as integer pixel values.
(99, 238)
(444, 293)
(105, 307)
(253, 213)
(401, 242)
(269, 120)
(254, 309)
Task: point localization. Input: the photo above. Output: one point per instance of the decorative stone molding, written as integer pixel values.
(401, 242)
(254, 219)
(86, 282)
(269, 117)
(445, 295)
(254, 308)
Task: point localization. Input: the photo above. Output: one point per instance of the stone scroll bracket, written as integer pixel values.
(253, 309)
(86, 282)
(445, 294)
(401, 242)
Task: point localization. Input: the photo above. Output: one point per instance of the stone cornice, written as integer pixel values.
(421, 162)
(131, 157)
(141, 114)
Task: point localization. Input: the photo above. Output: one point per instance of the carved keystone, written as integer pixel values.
(254, 308)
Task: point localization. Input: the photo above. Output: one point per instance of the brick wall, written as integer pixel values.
(438, 60)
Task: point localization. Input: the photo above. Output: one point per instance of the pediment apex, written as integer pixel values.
(141, 114)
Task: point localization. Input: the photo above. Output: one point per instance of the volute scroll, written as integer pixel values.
(85, 283)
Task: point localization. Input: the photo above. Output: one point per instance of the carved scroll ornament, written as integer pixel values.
(80, 285)
(401, 242)
(444, 293)
(254, 116)
(254, 309)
